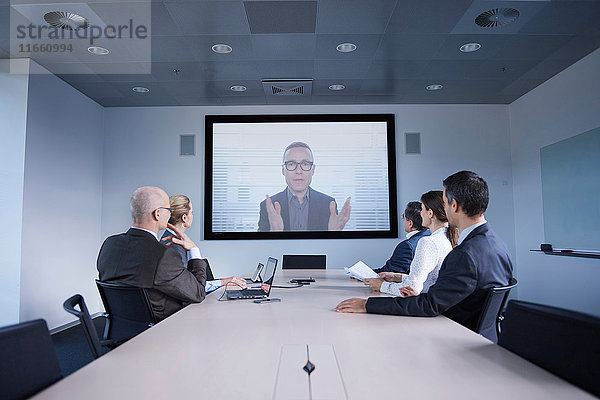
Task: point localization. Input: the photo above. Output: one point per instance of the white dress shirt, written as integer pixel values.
(425, 266)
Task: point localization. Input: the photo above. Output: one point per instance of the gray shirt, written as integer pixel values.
(298, 211)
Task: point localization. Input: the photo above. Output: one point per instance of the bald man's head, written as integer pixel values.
(144, 201)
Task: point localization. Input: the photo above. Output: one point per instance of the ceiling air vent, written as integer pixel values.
(287, 87)
(497, 17)
(65, 20)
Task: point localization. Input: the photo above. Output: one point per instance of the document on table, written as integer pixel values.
(361, 271)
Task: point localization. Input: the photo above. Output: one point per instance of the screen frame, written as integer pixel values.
(210, 120)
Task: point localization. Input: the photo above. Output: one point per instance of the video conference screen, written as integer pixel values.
(300, 176)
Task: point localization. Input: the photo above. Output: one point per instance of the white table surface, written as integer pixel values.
(225, 350)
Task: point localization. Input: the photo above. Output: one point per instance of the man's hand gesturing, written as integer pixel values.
(338, 221)
(274, 213)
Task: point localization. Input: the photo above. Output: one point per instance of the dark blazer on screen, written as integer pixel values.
(403, 254)
(481, 261)
(318, 211)
(136, 258)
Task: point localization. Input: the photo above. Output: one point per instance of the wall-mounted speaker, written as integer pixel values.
(412, 142)
(187, 145)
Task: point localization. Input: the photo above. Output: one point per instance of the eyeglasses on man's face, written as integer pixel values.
(304, 165)
(170, 209)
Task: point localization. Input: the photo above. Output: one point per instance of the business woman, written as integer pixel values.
(182, 217)
(429, 253)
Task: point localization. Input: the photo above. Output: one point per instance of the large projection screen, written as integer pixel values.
(336, 180)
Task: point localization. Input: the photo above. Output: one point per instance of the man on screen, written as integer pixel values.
(299, 207)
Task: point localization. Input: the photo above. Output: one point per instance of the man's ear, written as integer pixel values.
(410, 224)
(454, 205)
(283, 170)
(313, 170)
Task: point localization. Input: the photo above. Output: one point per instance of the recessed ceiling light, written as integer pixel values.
(222, 48)
(346, 47)
(470, 47)
(238, 88)
(140, 89)
(99, 51)
(337, 87)
(434, 87)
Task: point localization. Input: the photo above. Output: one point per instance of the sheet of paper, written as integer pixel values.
(360, 271)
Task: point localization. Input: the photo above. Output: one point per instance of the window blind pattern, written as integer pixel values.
(248, 165)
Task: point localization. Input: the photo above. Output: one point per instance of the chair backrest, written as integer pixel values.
(561, 341)
(29, 362)
(304, 261)
(86, 322)
(129, 310)
(489, 320)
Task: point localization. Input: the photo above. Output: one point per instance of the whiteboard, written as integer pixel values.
(571, 192)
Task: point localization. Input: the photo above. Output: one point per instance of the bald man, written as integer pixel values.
(137, 257)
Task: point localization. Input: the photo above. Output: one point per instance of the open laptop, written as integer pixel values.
(268, 275)
(256, 276)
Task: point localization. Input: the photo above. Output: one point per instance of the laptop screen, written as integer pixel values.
(269, 274)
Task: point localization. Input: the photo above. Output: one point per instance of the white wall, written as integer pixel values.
(13, 114)
(62, 198)
(141, 148)
(566, 105)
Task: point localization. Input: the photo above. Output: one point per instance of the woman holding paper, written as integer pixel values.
(429, 254)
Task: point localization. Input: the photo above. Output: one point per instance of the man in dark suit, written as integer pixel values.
(137, 257)
(405, 250)
(480, 261)
(299, 207)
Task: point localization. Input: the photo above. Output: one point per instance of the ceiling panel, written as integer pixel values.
(283, 47)
(410, 47)
(321, 87)
(281, 17)
(254, 88)
(356, 69)
(209, 17)
(564, 17)
(426, 16)
(279, 69)
(397, 69)
(366, 46)
(354, 16)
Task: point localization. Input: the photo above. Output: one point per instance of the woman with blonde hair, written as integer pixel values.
(182, 217)
(429, 253)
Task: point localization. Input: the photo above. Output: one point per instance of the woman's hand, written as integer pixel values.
(374, 283)
(407, 291)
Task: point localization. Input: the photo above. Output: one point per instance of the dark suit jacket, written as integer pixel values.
(403, 254)
(481, 261)
(136, 258)
(318, 211)
(183, 254)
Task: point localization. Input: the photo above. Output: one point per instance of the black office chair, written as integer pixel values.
(129, 310)
(561, 341)
(304, 261)
(491, 314)
(29, 362)
(88, 325)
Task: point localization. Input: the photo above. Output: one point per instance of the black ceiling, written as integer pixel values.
(402, 47)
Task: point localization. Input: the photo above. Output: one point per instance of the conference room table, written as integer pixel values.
(241, 349)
